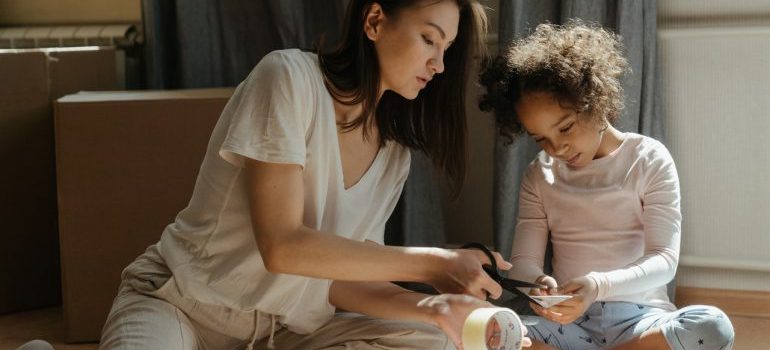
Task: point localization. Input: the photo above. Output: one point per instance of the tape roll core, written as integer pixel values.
(480, 333)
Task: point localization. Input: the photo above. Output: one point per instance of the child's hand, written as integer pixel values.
(584, 291)
(551, 284)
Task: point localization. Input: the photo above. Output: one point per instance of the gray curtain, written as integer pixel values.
(418, 219)
(210, 43)
(635, 21)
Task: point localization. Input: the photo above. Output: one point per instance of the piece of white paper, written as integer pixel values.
(547, 301)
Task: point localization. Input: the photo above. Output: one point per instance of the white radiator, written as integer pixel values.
(119, 35)
(716, 84)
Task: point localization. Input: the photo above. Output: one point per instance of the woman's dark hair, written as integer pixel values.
(435, 121)
(581, 64)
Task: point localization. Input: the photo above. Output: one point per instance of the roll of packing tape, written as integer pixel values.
(493, 328)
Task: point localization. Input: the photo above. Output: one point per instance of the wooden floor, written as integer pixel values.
(750, 333)
(46, 324)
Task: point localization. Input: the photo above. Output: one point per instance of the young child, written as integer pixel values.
(607, 200)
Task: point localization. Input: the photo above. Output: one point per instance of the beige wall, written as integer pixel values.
(49, 12)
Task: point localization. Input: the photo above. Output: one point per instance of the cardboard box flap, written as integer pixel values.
(147, 95)
(22, 74)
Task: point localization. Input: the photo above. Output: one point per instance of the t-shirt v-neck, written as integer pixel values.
(364, 178)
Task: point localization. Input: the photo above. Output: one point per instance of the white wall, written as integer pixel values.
(716, 77)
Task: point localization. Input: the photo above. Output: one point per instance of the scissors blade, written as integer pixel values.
(514, 285)
(511, 284)
(525, 296)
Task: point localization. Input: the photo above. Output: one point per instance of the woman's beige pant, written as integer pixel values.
(149, 313)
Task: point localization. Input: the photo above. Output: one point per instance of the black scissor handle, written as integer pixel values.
(507, 283)
(492, 270)
(494, 273)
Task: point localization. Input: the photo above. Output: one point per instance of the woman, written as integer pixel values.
(301, 173)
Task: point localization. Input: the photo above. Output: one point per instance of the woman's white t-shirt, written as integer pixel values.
(281, 113)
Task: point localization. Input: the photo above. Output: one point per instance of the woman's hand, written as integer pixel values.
(583, 291)
(460, 271)
(449, 311)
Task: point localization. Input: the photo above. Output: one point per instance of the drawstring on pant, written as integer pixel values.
(270, 341)
(256, 330)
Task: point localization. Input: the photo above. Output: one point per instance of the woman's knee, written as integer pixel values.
(413, 335)
(430, 337)
(142, 322)
(36, 345)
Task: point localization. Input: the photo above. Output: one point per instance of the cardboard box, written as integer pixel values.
(126, 165)
(29, 81)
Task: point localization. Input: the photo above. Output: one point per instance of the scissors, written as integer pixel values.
(508, 284)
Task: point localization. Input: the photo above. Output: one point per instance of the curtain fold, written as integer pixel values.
(418, 219)
(207, 43)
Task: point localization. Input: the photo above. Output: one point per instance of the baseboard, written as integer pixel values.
(732, 302)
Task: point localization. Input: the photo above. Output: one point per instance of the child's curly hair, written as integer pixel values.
(581, 64)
